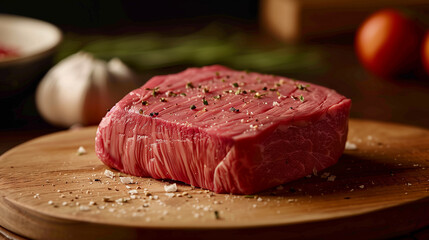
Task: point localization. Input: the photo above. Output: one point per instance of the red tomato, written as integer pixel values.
(388, 43)
(425, 53)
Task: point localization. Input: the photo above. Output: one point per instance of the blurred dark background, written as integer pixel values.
(125, 17)
(79, 20)
(310, 40)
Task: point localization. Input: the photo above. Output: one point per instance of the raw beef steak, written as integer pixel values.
(224, 130)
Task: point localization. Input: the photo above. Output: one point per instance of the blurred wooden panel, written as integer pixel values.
(294, 20)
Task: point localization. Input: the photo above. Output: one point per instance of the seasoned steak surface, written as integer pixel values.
(224, 130)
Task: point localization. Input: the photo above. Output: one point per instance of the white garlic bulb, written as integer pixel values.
(80, 89)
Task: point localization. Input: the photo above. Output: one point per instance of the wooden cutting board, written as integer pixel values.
(380, 190)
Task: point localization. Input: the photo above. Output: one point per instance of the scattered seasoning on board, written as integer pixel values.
(81, 151)
(216, 213)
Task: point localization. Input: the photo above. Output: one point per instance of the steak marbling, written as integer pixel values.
(224, 130)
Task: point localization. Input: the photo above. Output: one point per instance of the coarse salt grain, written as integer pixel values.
(331, 178)
(50, 202)
(81, 150)
(170, 188)
(362, 186)
(126, 180)
(132, 191)
(350, 146)
(170, 195)
(108, 173)
(121, 200)
(84, 208)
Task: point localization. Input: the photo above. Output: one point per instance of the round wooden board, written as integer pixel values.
(380, 190)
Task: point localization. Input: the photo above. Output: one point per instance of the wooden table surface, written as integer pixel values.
(380, 190)
(403, 101)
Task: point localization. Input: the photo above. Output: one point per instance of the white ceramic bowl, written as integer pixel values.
(35, 42)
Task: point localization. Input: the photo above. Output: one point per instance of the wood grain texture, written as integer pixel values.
(7, 235)
(380, 191)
